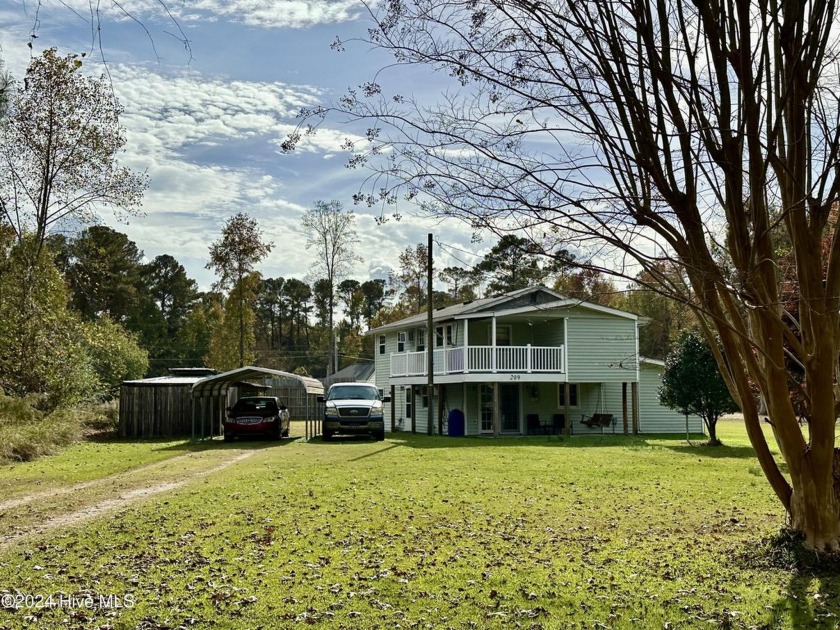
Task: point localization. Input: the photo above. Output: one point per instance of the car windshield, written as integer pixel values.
(255, 404)
(353, 392)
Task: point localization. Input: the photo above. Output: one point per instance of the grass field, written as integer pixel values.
(413, 532)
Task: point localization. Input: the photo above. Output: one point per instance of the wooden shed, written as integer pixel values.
(159, 406)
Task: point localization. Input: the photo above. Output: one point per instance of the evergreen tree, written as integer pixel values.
(693, 385)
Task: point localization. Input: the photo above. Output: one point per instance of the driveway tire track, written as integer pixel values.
(30, 498)
(129, 497)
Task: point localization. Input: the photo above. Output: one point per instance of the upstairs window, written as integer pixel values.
(401, 337)
(381, 344)
(421, 339)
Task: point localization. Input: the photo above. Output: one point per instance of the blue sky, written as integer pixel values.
(205, 124)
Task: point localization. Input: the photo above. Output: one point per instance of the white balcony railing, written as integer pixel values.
(481, 359)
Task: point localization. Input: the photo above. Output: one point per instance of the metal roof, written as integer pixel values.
(486, 307)
(164, 381)
(218, 384)
(358, 372)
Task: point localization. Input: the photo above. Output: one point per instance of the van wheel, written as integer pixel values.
(327, 435)
(228, 437)
(380, 436)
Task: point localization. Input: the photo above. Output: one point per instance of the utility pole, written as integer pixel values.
(430, 341)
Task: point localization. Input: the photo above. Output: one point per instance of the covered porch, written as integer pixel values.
(517, 343)
(520, 408)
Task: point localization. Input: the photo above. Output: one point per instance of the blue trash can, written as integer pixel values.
(455, 422)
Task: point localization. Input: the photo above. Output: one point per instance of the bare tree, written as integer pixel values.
(665, 131)
(331, 234)
(233, 257)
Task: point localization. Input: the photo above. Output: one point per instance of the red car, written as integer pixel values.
(257, 415)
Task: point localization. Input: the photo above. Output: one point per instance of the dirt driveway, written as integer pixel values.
(41, 512)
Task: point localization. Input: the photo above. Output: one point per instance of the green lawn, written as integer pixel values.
(413, 532)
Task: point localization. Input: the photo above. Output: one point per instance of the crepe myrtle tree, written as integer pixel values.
(661, 132)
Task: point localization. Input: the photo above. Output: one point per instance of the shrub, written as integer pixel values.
(26, 433)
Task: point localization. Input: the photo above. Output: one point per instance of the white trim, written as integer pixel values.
(566, 347)
(638, 363)
(577, 395)
(482, 377)
(493, 344)
(548, 306)
(484, 308)
(652, 361)
(466, 344)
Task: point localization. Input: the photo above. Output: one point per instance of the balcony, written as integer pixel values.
(482, 360)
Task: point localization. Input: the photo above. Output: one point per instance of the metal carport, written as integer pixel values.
(210, 395)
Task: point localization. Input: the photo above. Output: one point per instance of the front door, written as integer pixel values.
(509, 403)
(485, 405)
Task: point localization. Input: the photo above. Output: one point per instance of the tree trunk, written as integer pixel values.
(814, 504)
(711, 426)
(241, 324)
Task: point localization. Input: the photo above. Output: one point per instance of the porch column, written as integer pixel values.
(393, 407)
(465, 406)
(413, 408)
(493, 344)
(441, 389)
(634, 392)
(567, 410)
(624, 405)
(497, 408)
(466, 349)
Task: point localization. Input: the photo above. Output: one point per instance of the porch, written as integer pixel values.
(518, 408)
(526, 359)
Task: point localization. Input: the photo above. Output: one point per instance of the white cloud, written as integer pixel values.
(210, 147)
(259, 13)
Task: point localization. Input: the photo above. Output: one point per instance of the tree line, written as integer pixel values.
(82, 309)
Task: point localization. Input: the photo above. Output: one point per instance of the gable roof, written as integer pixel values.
(543, 299)
(219, 383)
(357, 373)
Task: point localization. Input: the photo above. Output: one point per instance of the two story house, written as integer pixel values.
(527, 362)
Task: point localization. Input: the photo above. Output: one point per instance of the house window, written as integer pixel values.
(443, 334)
(409, 395)
(421, 339)
(381, 344)
(400, 342)
(573, 395)
(424, 397)
(503, 335)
